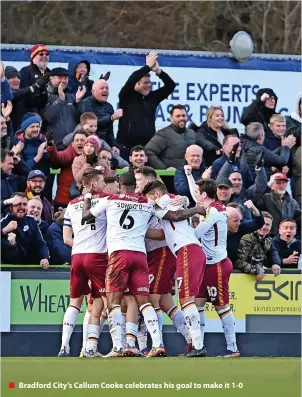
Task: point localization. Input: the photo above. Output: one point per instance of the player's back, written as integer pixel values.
(127, 219)
(213, 231)
(178, 234)
(89, 237)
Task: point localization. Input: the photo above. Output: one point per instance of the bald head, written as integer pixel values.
(100, 90)
(194, 156)
(234, 219)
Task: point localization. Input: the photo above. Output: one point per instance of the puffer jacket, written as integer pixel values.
(254, 252)
(168, 146)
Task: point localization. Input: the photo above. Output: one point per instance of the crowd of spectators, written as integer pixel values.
(61, 119)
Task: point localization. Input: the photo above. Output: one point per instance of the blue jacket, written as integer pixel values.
(29, 248)
(73, 83)
(286, 249)
(10, 184)
(6, 92)
(59, 252)
(103, 111)
(30, 151)
(245, 227)
(247, 177)
(181, 182)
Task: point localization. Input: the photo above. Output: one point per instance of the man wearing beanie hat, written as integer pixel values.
(63, 109)
(39, 56)
(32, 98)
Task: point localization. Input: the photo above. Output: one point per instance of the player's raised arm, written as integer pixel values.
(86, 214)
(93, 181)
(182, 215)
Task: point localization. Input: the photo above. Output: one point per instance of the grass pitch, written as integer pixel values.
(243, 377)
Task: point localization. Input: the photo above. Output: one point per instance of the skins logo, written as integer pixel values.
(289, 290)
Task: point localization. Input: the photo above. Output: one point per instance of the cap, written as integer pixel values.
(59, 72)
(36, 173)
(224, 182)
(234, 168)
(280, 177)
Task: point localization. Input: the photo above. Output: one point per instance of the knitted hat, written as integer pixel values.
(27, 122)
(28, 115)
(36, 49)
(234, 168)
(11, 72)
(95, 141)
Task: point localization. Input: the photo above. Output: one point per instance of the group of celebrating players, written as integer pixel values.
(127, 250)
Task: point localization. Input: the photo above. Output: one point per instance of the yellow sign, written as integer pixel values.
(271, 296)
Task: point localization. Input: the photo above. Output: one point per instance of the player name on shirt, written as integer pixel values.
(89, 237)
(127, 219)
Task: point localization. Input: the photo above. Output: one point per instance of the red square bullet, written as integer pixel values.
(11, 385)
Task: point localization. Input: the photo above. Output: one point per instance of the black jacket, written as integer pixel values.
(285, 208)
(103, 111)
(59, 252)
(29, 75)
(137, 126)
(286, 249)
(257, 112)
(206, 137)
(10, 184)
(29, 248)
(251, 148)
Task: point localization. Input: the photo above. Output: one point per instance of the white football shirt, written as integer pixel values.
(178, 234)
(151, 245)
(89, 237)
(212, 232)
(127, 221)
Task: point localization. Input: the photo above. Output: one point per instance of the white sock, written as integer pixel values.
(179, 322)
(115, 326)
(202, 318)
(103, 319)
(85, 328)
(192, 319)
(228, 325)
(124, 329)
(151, 322)
(142, 334)
(93, 337)
(131, 333)
(159, 314)
(70, 318)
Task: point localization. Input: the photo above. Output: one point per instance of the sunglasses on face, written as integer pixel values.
(43, 53)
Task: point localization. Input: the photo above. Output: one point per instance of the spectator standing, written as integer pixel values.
(262, 109)
(139, 103)
(29, 99)
(253, 149)
(64, 160)
(89, 123)
(63, 110)
(211, 133)
(21, 239)
(279, 202)
(39, 58)
(238, 228)
(288, 246)
(79, 70)
(98, 104)
(166, 149)
(231, 148)
(195, 167)
(34, 209)
(35, 186)
(256, 250)
(6, 93)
